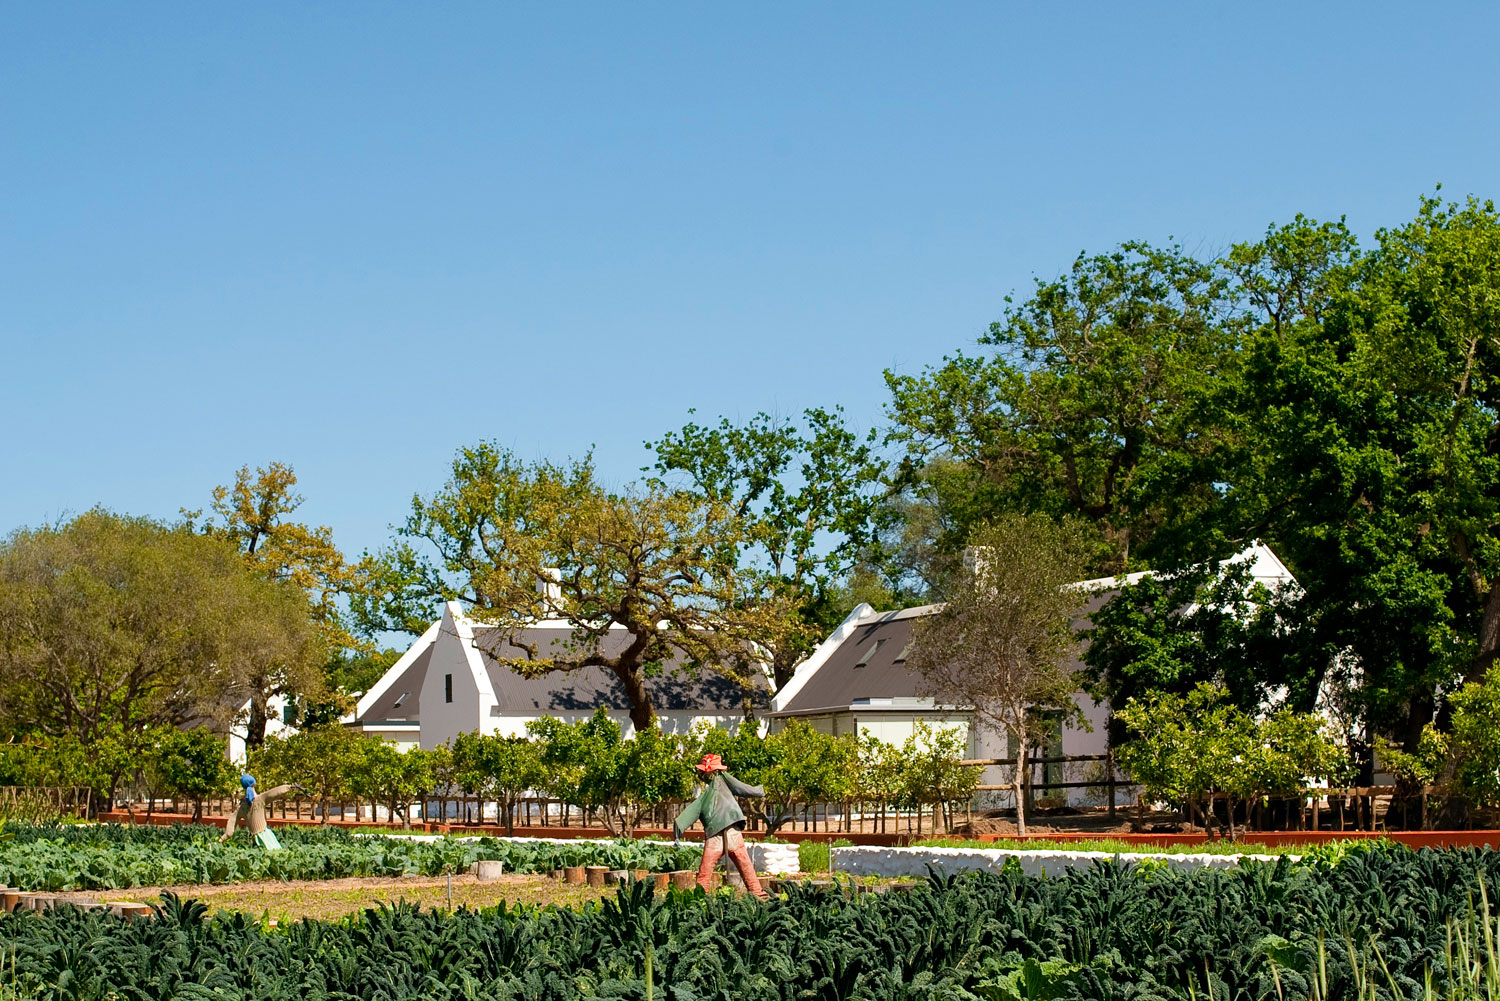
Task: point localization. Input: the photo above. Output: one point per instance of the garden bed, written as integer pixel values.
(1377, 923)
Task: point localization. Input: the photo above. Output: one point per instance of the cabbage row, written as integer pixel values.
(1129, 933)
(105, 857)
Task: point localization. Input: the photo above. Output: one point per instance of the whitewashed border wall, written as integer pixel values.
(867, 861)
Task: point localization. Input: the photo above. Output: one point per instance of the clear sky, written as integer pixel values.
(355, 236)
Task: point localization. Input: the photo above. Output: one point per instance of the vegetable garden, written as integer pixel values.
(107, 857)
(1375, 924)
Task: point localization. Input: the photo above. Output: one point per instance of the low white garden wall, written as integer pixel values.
(865, 861)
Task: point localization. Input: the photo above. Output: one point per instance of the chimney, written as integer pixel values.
(549, 587)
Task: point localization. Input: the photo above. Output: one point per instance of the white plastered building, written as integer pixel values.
(452, 680)
(857, 682)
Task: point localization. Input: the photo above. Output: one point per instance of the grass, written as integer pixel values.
(332, 899)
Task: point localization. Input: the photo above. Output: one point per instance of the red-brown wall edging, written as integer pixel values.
(496, 830)
(1412, 839)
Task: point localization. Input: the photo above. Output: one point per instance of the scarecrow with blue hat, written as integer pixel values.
(252, 813)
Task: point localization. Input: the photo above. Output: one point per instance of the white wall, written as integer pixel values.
(514, 724)
(982, 742)
(863, 861)
(405, 738)
(453, 654)
(275, 708)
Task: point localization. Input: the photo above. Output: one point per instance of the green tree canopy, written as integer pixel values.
(806, 493)
(255, 515)
(113, 622)
(661, 565)
(1088, 406)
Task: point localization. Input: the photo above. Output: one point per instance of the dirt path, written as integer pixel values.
(332, 898)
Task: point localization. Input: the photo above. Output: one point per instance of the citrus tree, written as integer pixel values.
(505, 768)
(191, 765)
(395, 779)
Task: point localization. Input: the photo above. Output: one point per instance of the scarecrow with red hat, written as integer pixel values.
(723, 820)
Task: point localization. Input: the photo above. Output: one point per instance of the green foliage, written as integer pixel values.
(799, 766)
(106, 856)
(382, 774)
(620, 778)
(1108, 933)
(814, 855)
(323, 760)
(1087, 405)
(1170, 632)
(1422, 766)
(661, 564)
(1337, 404)
(930, 769)
(254, 516)
(1000, 644)
(1476, 740)
(502, 768)
(808, 498)
(110, 625)
(191, 764)
(812, 767)
(1183, 749)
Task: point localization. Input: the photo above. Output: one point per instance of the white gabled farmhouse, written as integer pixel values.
(857, 682)
(450, 682)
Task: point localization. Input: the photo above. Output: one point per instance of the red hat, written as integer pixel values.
(712, 763)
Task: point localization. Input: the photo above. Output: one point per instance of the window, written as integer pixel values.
(905, 652)
(289, 714)
(870, 652)
(447, 688)
(402, 698)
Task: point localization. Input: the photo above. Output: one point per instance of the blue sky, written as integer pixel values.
(354, 237)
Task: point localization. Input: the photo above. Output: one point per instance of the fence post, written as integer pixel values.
(1109, 765)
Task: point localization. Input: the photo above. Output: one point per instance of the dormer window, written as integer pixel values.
(905, 652)
(399, 699)
(869, 652)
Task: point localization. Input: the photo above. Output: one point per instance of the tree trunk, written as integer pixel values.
(1489, 636)
(1017, 781)
(642, 714)
(255, 726)
(784, 665)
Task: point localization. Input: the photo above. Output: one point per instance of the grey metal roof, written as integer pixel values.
(674, 689)
(841, 680)
(868, 664)
(402, 700)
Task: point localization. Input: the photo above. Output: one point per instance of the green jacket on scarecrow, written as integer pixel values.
(716, 805)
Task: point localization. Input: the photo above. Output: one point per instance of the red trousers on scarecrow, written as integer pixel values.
(732, 843)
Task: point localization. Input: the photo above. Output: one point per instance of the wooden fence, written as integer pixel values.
(1354, 808)
(45, 802)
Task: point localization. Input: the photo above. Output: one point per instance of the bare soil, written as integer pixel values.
(333, 898)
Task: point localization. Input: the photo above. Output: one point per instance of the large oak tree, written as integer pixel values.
(662, 565)
(807, 494)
